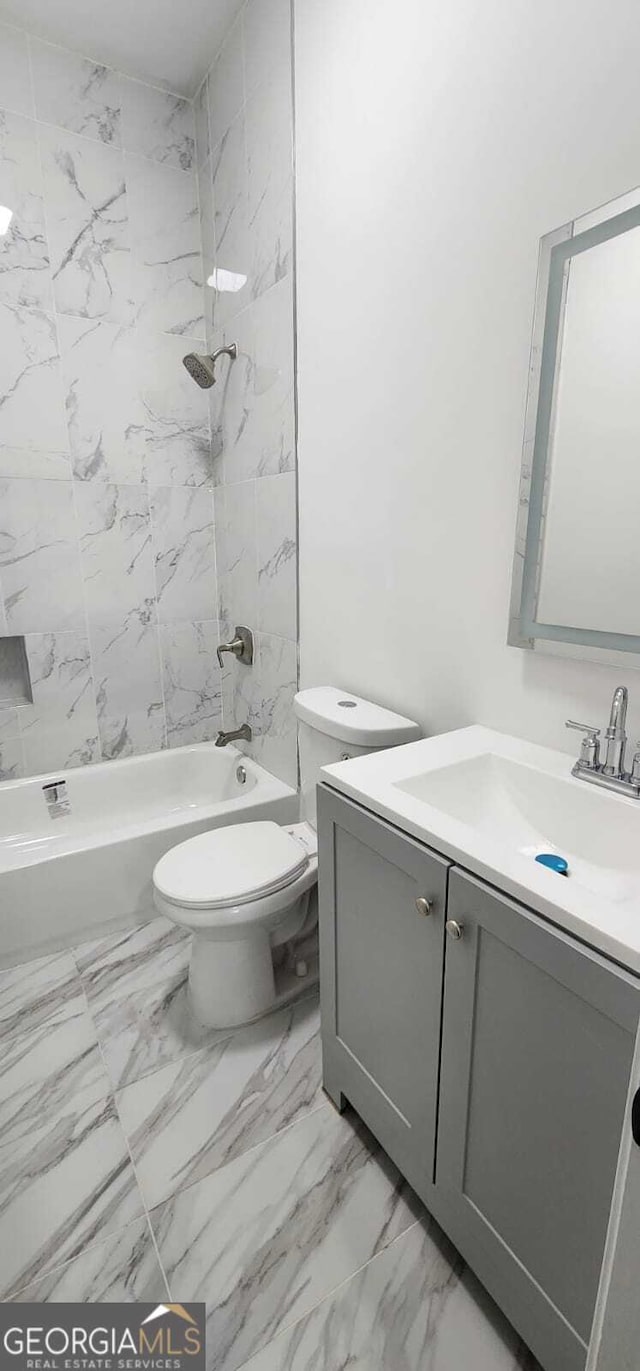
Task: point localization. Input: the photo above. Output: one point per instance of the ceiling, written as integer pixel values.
(167, 42)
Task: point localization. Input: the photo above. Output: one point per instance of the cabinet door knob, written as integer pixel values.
(454, 929)
(423, 905)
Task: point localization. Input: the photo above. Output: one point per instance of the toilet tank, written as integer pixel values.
(334, 725)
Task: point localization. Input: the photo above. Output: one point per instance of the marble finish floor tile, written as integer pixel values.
(136, 985)
(413, 1307)
(193, 1116)
(49, 1049)
(113, 967)
(36, 992)
(70, 1183)
(66, 1177)
(267, 1237)
(123, 1269)
(44, 1067)
(311, 1252)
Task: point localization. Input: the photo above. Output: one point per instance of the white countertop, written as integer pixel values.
(490, 802)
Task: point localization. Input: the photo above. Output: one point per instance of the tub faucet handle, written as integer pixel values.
(241, 646)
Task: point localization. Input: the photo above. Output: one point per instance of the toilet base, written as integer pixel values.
(233, 982)
(230, 982)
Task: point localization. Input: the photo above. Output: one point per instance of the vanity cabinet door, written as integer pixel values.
(382, 901)
(537, 1047)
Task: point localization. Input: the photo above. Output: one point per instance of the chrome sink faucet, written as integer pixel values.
(610, 773)
(616, 737)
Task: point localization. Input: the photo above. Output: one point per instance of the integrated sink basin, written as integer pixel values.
(494, 803)
(533, 812)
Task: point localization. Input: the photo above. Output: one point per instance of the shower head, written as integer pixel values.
(202, 367)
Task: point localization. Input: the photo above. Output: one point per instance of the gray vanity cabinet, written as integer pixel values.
(537, 1045)
(381, 952)
(512, 1041)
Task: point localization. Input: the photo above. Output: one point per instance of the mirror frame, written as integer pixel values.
(556, 251)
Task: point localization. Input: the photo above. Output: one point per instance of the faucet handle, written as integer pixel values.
(590, 748)
(241, 646)
(635, 765)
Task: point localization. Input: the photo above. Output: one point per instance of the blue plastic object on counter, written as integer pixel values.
(554, 863)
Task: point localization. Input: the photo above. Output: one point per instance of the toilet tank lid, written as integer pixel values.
(351, 720)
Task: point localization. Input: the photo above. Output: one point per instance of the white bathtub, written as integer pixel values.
(70, 875)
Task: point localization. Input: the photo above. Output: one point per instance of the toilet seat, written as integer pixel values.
(232, 866)
(242, 916)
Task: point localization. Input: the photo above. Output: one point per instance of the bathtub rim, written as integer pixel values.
(98, 834)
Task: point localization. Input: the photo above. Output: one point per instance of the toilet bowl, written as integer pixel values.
(244, 891)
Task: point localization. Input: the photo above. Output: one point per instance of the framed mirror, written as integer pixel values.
(576, 573)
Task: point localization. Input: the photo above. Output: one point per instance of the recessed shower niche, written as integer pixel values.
(15, 681)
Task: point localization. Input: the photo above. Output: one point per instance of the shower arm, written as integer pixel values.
(229, 350)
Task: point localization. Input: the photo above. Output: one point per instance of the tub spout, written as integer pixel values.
(243, 733)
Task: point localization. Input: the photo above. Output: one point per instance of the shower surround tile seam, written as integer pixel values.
(145, 330)
(97, 142)
(220, 132)
(50, 42)
(248, 305)
(165, 742)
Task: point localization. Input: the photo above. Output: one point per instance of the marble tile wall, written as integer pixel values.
(107, 555)
(114, 466)
(244, 153)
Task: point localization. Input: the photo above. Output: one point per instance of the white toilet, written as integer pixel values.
(244, 890)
